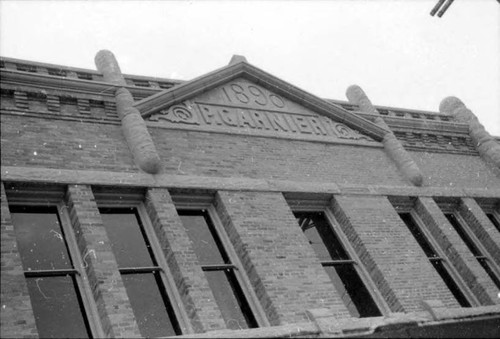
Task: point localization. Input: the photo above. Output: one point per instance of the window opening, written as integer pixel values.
(438, 262)
(50, 274)
(219, 269)
(339, 266)
(140, 272)
(473, 246)
(494, 221)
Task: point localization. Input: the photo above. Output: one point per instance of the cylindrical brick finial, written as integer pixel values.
(355, 94)
(392, 145)
(106, 64)
(486, 145)
(134, 128)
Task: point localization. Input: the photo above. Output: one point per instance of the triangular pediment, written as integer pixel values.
(241, 98)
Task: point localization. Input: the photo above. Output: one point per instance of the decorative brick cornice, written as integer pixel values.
(488, 147)
(21, 99)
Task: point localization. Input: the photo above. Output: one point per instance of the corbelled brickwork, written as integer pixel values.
(395, 261)
(457, 252)
(17, 319)
(101, 268)
(485, 143)
(281, 264)
(190, 280)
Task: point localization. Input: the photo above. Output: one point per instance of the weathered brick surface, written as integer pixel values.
(454, 170)
(397, 264)
(482, 227)
(65, 144)
(457, 251)
(211, 154)
(190, 280)
(17, 318)
(109, 293)
(86, 145)
(282, 267)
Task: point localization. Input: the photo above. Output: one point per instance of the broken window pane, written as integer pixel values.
(331, 252)
(321, 236)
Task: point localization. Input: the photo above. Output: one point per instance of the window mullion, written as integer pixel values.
(450, 269)
(165, 274)
(338, 262)
(139, 270)
(218, 267)
(51, 273)
(241, 277)
(79, 266)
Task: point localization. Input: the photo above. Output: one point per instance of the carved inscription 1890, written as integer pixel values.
(243, 105)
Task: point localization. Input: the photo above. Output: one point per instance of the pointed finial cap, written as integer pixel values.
(237, 58)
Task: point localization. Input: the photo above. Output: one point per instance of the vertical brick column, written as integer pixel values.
(482, 227)
(17, 318)
(111, 298)
(281, 265)
(457, 251)
(395, 261)
(189, 278)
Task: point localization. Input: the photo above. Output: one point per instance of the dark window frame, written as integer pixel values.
(205, 202)
(167, 288)
(491, 207)
(440, 257)
(82, 287)
(473, 244)
(320, 206)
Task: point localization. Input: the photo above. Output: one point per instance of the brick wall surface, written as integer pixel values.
(17, 318)
(109, 293)
(283, 268)
(87, 145)
(210, 154)
(393, 258)
(457, 251)
(482, 227)
(190, 280)
(454, 170)
(63, 144)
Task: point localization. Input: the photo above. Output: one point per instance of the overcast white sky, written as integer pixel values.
(397, 52)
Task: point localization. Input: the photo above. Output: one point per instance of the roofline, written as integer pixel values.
(176, 81)
(85, 70)
(222, 75)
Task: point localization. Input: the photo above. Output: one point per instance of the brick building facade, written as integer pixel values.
(238, 205)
